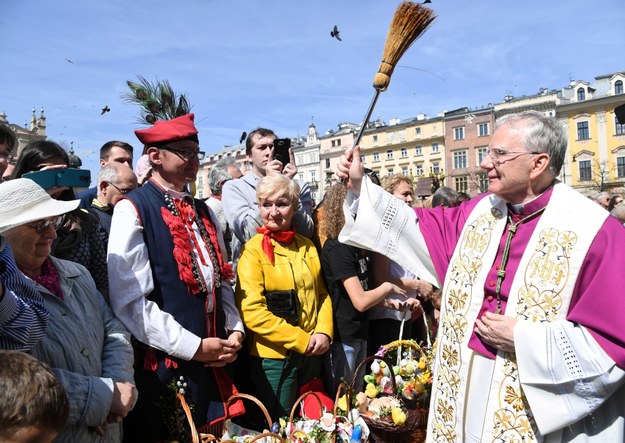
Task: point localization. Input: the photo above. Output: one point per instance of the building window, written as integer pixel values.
(460, 159)
(404, 152)
(582, 131)
(376, 156)
(419, 169)
(313, 176)
(461, 184)
(362, 158)
(336, 143)
(481, 154)
(482, 129)
(459, 133)
(375, 138)
(301, 176)
(418, 150)
(581, 94)
(389, 171)
(405, 171)
(620, 128)
(585, 170)
(389, 154)
(434, 148)
(327, 163)
(436, 167)
(618, 87)
(418, 130)
(620, 167)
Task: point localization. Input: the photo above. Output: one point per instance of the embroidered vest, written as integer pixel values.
(209, 387)
(541, 291)
(170, 292)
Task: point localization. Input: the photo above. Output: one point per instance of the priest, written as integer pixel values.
(530, 345)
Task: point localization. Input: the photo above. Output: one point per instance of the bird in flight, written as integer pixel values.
(243, 135)
(105, 109)
(335, 33)
(427, 1)
(69, 61)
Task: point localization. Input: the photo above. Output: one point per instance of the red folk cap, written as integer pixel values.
(179, 128)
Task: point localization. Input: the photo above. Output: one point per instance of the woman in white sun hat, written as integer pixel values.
(88, 348)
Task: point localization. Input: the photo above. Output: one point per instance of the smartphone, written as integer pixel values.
(71, 177)
(281, 150)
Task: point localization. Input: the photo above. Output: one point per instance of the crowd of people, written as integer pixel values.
(134, 290)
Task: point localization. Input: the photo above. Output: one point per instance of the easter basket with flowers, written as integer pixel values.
(412, 367)
(383, 410)
(335, 426)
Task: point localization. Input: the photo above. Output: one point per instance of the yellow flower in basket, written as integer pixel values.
(398, 416)
(371, 391)
(422, 364)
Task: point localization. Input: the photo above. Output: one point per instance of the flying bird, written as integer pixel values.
(427, 1)
(335, 33)
(105, 109)
(243, 135)
(69, 61)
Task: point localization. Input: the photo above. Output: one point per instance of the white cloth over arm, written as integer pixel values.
(387, 225)
(570, 383)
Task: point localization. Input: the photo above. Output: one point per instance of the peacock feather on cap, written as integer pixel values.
(158, 101)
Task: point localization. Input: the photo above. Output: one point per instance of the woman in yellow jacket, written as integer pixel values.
(283, 300)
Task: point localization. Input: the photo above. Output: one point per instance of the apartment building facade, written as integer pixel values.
(596, 154)
(307, 159)
(467, 134)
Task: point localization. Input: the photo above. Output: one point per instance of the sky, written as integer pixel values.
(244, 64)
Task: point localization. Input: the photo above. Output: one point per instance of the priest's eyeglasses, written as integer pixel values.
(184, 154)
(43, 225)
(500, 156)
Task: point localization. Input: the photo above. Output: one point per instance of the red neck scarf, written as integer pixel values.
(279, 236)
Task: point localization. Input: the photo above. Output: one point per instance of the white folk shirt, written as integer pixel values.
(130, 281)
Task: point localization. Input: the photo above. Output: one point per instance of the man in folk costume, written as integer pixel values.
(531, 345)
(170, 285)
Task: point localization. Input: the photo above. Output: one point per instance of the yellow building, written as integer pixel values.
(414, 147)
(596, 154)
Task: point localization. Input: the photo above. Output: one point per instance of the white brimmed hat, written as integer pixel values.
(23, 201)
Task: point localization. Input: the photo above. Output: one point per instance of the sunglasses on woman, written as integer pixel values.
(43, 225)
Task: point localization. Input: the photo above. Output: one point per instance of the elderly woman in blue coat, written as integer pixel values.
(87, 347)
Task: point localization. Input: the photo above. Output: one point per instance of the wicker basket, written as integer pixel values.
(199, 437)
(195, 436)
(342, 425)
(380, 430)
(421, 403)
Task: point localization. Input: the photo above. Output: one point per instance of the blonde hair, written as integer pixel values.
(390, 182)
(278, 185)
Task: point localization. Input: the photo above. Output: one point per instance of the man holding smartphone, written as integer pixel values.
(239, 196)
